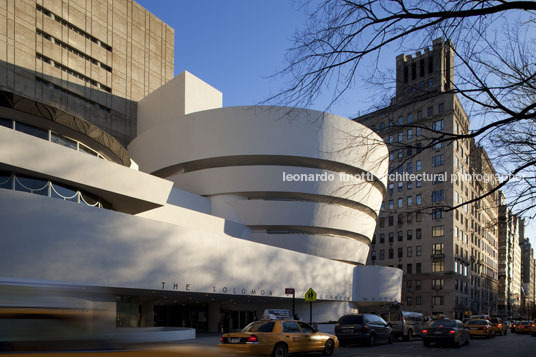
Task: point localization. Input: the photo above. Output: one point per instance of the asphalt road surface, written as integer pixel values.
(501, 346)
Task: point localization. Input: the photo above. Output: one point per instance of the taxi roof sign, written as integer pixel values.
(276, 314)
(310, 295)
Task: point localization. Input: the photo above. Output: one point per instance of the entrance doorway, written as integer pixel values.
(195, 316)
(236, 320)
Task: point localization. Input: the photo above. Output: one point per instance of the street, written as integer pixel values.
(509, 345)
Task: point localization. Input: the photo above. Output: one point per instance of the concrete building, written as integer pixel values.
(449, 257)
(170, 210)
(511, 234)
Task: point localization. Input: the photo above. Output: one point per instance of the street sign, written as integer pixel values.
(289, 291)
(310, 295)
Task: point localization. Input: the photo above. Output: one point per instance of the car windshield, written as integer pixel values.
(259, 326)
(446, 323)
(476, 322)
(351, 320)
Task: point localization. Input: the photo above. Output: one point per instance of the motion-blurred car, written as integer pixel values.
(480, 328)
(524, 327)
(499, 326)
(278, 338)
(445, 331)
(513, 327)
(368, 328)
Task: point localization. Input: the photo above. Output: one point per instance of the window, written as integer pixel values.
(400, 137)
(418, 300)
(430, 83)
(418, 147)
(400, 219)
(410, 134)
(382, 126)
(400, 186)
(418, 270)
(418, 283)
(391, 124)
(437, 146)
(413, 70)
(409, 167)
(418, 165)
(290, 327)
(430, 64)
(418, 131)
(391, 254)
(418, 251)
(409, 252)
(382, 238)
(400, 236)
(391, 188)
(430, 111)
(409, 268)
(437, 231)
(410, 118)
(419, 115)
(437, 248)
(418, 216)
(437, 161)
(409, 185)
(391, 139)
(418, 199)
(421, 67)
(382, 222)
(409, 201)
(391, 221)
(400, 252)
(418, 233)
(391, 156)
(391, 237)
(438, 196)
(400, 153)
(400, 201)
(31, 130)
(437, 300)
(437, 266)
(437, 214)
(441, 107)
(408, 284)
(400, 121)
(437, 125)
(409, 151)
(382, 254)
(391, 204)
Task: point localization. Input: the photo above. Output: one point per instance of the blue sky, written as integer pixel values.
(236, 45)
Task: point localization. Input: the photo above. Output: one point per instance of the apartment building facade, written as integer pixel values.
(449, 257)
(511, 235)
(528, 278)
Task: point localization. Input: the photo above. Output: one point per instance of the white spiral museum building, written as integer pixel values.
(204, 219)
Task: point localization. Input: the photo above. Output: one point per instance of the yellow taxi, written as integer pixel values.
(481, 328)
(533, 328)
(279, 338)
(499, 326)
(524, 327)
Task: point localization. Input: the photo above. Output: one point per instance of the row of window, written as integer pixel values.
(48, 135)
(72, 72)
(73, 50)
(18, 182)
(430, 60)
(72, 27)
(72, 94)
(437, 196)
(409, 119)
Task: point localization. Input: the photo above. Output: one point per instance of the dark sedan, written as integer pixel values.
(445, 331)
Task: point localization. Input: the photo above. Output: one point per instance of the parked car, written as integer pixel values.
(368, 328)
(480, 328)
(404, 324)
(499, 326)
(533, 328)
(278, 338)
(524, 327)
(445, 331)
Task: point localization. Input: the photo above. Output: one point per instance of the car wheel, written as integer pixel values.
(409, 338)
(329, 348)
(371, 340)
(280, 350)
